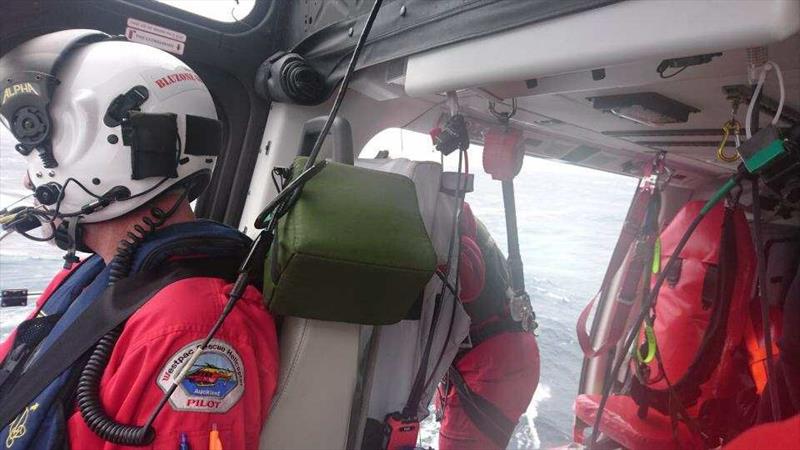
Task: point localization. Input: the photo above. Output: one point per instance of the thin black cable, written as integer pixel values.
(343, 86)
(427, 110)
(761, 265)
(420, 380)
(666, 77)
(460, 199)
(58, 214)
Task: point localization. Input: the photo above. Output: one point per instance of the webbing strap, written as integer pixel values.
(493, 329)
(484, 414)
(114, 307)
(636, 264)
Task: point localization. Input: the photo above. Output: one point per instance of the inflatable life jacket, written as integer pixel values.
(216, 250)
(699, 324)
(701, 311)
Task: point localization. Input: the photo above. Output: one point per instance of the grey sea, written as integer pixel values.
(569, 219)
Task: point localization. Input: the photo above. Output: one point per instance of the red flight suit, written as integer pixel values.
(503, 368)
(244, 356)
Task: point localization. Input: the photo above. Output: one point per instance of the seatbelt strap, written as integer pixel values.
(114, 307)
(484, 414)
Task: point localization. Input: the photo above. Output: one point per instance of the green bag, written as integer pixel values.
(352, 249)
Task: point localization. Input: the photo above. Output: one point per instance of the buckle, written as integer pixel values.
(522, 311)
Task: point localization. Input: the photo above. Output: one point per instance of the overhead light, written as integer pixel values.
(645, 108)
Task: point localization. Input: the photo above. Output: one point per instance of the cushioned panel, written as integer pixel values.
(353, 248)
(426, 176)
(621, 424)
(319, 369)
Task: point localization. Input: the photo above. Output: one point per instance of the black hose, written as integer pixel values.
(88, 390)
(337, 103)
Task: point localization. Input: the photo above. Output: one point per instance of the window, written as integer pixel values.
(220, 10)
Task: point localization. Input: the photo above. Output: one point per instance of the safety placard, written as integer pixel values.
(154, 40)
(155, 29)
(155, 36)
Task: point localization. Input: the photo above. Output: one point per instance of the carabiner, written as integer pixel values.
(726, 132)
(505, 116)
(652, 346)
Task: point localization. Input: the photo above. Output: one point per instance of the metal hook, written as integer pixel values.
(504, 116)
(727, 127)
(452, 102)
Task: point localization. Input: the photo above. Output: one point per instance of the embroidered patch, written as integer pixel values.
(213, 384)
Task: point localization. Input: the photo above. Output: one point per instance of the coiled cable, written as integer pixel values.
(301, 82)
(88, 390)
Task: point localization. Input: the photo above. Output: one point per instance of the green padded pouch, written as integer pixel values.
(353, 248)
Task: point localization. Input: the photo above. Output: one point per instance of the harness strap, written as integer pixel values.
(484, 414)
(493, 329)
(115, 306)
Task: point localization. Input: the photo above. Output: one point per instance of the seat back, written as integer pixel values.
(337, 377)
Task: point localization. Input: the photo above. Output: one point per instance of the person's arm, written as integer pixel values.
(230, 386)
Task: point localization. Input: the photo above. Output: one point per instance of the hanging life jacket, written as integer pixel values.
(185, 250)
(699, 313)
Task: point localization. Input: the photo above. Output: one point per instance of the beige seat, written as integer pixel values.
(334, 376)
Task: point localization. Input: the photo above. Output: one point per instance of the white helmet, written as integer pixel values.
(113, 123)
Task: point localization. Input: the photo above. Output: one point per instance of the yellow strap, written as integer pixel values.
(657, 256)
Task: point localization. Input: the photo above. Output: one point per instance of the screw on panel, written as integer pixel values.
(51, 173)
(403, 11)
(350, 31)
(38, 174)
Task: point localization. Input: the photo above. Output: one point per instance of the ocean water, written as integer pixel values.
(569, 219)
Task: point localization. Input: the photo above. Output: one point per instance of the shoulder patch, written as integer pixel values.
(213, 384)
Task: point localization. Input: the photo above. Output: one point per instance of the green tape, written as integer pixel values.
(764, 156)
(657, 256)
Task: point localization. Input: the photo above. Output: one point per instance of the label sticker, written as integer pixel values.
(213, 384)
(154, 40)
(155, 29)
(167, 83)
